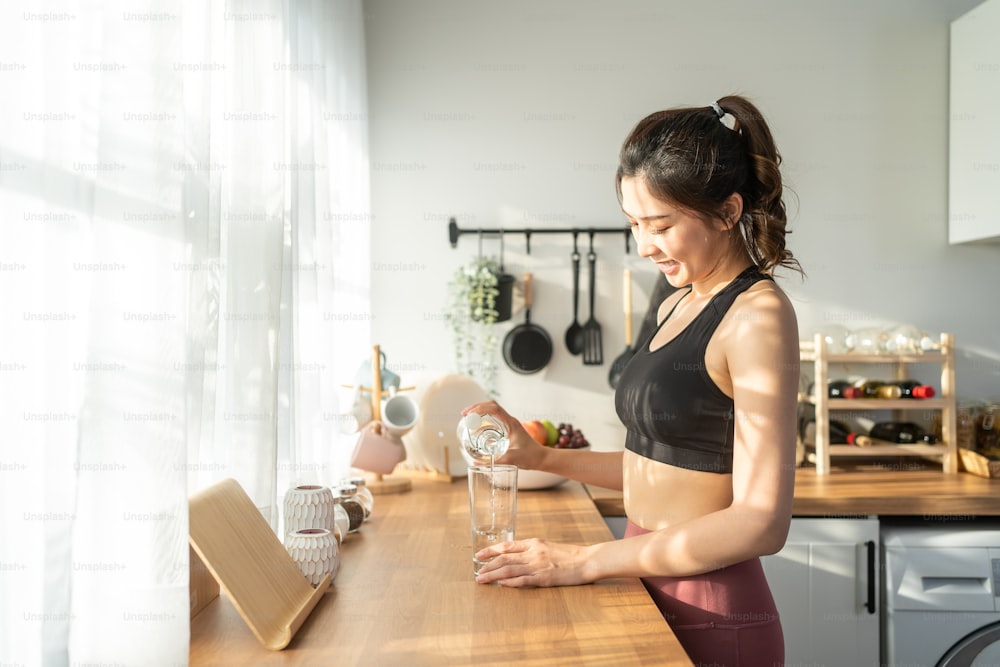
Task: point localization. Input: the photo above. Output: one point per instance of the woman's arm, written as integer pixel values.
(763, 363)
(598, 468)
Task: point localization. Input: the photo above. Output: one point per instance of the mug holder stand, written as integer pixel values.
(382, 484)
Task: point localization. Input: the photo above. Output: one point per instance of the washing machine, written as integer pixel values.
(941, 598)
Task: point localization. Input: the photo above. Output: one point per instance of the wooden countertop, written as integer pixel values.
(914, 490)
(405, 595)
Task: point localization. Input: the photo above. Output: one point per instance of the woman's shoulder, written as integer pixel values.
(763, 306)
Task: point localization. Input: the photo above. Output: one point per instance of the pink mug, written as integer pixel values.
(375, 452)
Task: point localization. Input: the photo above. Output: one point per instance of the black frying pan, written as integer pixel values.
(527, 347)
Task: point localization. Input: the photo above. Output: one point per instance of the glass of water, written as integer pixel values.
(492, 507)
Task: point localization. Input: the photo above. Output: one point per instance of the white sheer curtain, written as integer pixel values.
(183, 258)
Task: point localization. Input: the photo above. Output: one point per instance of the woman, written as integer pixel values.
(708, 400)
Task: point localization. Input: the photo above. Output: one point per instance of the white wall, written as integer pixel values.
(511, 114)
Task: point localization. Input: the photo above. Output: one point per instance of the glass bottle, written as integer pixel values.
(914, 389)
(835, 336)
(987, 427)
(866, 341)
(365, 496)
(483, 437)
(341, 520)
(838, 389)
(355, 510)
(902, 433)
(878, 389)
(966, 414)
(842, 389)
(907, 339)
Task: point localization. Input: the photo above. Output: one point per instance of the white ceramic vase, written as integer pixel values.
(308, 506)
(316, 553)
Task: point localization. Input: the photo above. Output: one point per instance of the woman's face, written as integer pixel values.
(685, 248)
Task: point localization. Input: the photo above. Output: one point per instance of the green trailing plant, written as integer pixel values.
(472, 316)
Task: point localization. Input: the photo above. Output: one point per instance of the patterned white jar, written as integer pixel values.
(316, 553)
(308, 506)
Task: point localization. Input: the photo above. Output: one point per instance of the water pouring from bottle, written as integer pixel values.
(483, 437)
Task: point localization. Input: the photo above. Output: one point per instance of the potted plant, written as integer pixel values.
(471, 313)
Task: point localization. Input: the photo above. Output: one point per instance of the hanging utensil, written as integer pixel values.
(619, 364)
(505, 289)
(527, 347)
(593, 351)
(574, 334)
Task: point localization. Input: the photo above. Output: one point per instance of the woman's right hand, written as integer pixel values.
(524, 451)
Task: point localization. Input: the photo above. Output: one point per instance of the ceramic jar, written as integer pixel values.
(315, 551)
(308, 506)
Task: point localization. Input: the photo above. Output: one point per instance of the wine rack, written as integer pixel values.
(943, 354)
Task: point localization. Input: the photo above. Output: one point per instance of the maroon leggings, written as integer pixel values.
(725, 617)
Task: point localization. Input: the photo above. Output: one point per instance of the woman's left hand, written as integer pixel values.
(533, 562)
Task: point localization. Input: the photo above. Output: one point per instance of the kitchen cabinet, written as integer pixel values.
(973, 142)
(825, 582)
(817, 353)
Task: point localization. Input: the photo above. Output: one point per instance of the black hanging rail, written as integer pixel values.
(454, 232)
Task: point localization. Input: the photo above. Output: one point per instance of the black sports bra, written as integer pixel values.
(673, 412)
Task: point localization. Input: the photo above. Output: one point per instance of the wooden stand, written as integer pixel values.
(244, 555)
(430, 472)
(816, 353)
(381, 484)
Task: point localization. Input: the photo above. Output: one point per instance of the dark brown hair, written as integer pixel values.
(691, 158)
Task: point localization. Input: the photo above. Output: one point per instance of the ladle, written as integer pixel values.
(574, 334)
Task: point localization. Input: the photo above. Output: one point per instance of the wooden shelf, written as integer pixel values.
(808, 354)
(888, 450)
(874, 404)
(816, 352)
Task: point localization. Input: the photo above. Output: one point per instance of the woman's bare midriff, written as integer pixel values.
(658, 495)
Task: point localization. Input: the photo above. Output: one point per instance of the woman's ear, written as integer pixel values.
(732, 210)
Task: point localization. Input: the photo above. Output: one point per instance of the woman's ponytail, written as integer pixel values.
(764, 221)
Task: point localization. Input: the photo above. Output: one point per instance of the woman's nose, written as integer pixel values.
(644, 245)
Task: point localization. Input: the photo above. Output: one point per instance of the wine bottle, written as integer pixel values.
(878, 389)
(838, 389)
(843, 389)
(904, 433)
(860, 440)
(913, 389)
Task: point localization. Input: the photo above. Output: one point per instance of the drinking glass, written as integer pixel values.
(492, 507)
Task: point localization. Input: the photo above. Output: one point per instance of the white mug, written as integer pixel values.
(399, 414)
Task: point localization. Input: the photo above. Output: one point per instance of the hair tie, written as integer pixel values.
(718, 110)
